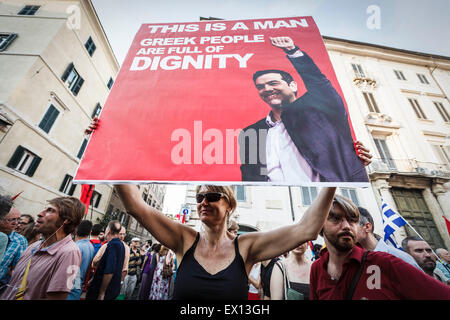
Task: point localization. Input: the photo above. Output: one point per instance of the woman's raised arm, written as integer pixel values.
(169, 233)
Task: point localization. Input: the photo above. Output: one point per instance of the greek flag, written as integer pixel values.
(392, 221)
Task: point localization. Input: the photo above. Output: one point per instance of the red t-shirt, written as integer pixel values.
(385, 277)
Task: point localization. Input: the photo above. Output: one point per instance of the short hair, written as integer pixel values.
(70, 209)
(440, 251)
(96, 229)
(30, 217)
(227, 190)
(405, 241)
(84, 228)
(156, 247)
(114, 227)
(364, 217)
(5, 205)
(350, 209)
(284, 75)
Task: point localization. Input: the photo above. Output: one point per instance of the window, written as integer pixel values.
(443, 153)
(308, 195)
(351, 194)
(422, 78)
(97, 110)
(67, 186)
(399, 75)
(385, 154)
(82, 148)
(240, 193)
(28, 10)
(6, 39)
(417, 109)
(444, 114)
(370, 100)
(95, 199)
(24, 161)
(73, 80)
(49, 118)
(90, 46)
(358, 70)
(110, 83)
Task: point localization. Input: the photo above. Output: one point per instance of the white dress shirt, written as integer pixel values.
(284, 161)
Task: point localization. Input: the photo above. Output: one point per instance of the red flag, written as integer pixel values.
(447, 223)
(15, 197)
(86, 194)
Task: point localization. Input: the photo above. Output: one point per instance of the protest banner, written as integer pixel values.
(187, 106)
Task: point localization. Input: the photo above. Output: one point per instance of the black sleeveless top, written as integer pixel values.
(194, 282)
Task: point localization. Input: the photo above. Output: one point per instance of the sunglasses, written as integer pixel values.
(210, 196)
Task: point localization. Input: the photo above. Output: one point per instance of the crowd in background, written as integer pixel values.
(105, 267)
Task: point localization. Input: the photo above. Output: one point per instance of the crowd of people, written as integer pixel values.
(61, 255)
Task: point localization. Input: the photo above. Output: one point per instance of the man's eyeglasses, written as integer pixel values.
(11, 219)
(210, 196)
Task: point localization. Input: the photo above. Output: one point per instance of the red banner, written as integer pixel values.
(86, 195)
(189, 105)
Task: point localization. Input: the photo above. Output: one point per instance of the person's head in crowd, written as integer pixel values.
(122, 233)
(300, 250)
(61, 215)
(233, 227)
(316, 250)
(215, 204)
(341, 226)
(156, 247)
(84, 230)
(163, 250)
(30, 233)
(443, 254)
(9, 222)
(112, 230)
(365, 235)
(96, 230)
(102, 236)
(135, 242)
(24, 220)
(421, 251)
(5, 205)
(148, 244)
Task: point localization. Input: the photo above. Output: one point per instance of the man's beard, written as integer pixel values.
(341, 245)
(427, 266)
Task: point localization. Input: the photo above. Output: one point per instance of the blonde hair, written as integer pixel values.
(227, 190)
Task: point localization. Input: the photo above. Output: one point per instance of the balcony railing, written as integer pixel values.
(409, 166)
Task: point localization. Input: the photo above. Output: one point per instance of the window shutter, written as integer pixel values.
(63, 184)
(67, 72)
(76, 88)
(49, 118)
(83, 147)
(33, 166)
(8, 41)
(14, 161)
(97, 202)
(72, 189)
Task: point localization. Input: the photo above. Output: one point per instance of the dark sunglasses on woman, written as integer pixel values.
(210, 196)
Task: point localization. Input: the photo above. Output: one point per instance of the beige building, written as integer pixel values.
(56, 71)
(399, 107)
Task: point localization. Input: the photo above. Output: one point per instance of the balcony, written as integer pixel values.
(409, 167)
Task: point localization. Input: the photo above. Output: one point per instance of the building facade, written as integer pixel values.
(57, 68)
(399, 107)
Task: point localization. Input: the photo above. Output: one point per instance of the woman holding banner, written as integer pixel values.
(214, 264)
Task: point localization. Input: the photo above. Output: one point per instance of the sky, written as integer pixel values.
(420, 26)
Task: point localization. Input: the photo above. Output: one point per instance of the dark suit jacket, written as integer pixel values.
(317, 124)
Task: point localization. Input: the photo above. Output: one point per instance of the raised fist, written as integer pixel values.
(284, 43)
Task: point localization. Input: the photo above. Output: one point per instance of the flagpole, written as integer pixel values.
(417, 234)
